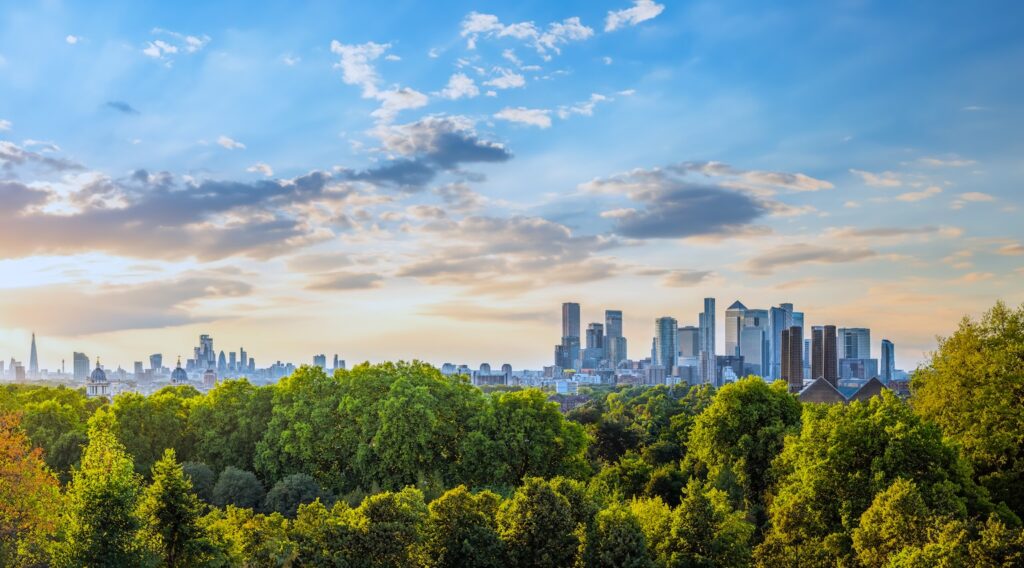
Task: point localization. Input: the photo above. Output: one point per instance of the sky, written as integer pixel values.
(432, 180)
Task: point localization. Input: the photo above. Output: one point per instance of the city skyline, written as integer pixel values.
(428, 183)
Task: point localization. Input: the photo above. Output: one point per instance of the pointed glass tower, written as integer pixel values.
(33, 360)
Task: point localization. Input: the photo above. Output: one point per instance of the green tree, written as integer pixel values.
(29, 497)
(286, 495)
(707, 531)
(997, 545)
(147, 425)
(391, 526)
(735, 439)
(228, 422)
(972, 388)
(829, 474)
(238, 488)
(655, 520)
(537, 527)
(615, 540)
(241, 537)
(461, 531)
(202, 479)
(897, 519)
(170, 513)
(301, 436)
(59, 429)
(100, 524)
(521, 434)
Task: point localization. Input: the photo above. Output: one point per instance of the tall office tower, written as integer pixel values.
(252, 365)
(708, 362)
(806, 371)
(665, 343)
(320, 361)
(560, 358)
(334, 364)
(570, 319)
(138, 370)
(33, 360)
(595, 336)
(792, 358)
(735, 315)
(613, 323)
(798, 319)
(222, 362)
(595, 351)
(754, 342)
(824, 364)
(888, 361)
(80, 366)
(232, 361)
(243, 361)
(854, 343)
(689, 341)
(156, 362)
(779, 319)
(570, 336)
(615, 343)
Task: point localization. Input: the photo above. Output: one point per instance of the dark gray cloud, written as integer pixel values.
(121, 106)
(158, 304)
(12, 155)
(15, 197)
(689, 211)
(685, 278)
(407, 175)
(508, 255)
(342, 280)
(153, 215)
(426, 148)
(766, 262)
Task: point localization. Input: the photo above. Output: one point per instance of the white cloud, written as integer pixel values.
(355, 64)
(72, 39)
(510, 55)
(397, 100)
(507, 80)
(531, 116)
(157, 49)
(641, 11)
(460, 85)
(476, 25)
(176, 43)
(912, 196)
(261, 168)
(434, 53)
(951, 162)
(607, 60)
(976, 196)
(290, 60)
(5, 125)
(585, 108)
(971, 197)
(392, 57)
(229, 143)
(357, 68)
(1012, 249)
(884, 179)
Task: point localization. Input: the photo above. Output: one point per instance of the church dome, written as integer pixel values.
(178, 375)
(98, 376)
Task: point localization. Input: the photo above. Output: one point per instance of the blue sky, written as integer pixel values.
(404, 180)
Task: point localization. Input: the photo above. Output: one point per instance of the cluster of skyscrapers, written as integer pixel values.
(771, 343)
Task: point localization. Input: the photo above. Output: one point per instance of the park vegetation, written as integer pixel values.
(396, 465)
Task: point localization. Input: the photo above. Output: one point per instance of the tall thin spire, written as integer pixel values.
(33, 359)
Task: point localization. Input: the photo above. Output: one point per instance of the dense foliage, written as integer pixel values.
(398, 465)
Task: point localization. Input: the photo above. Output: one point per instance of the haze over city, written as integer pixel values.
(434, 182)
